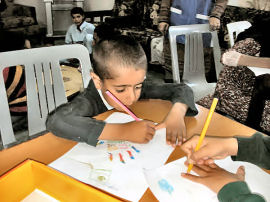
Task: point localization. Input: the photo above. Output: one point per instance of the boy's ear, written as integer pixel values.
(97, 81)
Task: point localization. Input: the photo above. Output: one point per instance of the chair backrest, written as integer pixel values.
(44, 83)
(235, 28)
(194, 68)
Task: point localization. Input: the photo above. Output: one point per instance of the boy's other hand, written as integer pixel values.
(213, 176)
(175, 125)
(214, 23)
(163, 27)
(211, 148)
(139, 131)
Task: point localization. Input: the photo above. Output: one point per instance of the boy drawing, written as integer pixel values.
(81, 31)
(120, 66)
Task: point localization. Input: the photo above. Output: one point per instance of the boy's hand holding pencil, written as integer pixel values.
(212, 148)
(138, 131)
(202, 150)
(135, 131)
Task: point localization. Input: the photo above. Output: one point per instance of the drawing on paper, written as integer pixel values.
(165, 186)
(119, 150)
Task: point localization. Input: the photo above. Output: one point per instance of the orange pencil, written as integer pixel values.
(207, 122)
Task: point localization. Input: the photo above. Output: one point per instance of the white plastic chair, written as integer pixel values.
(194, 67)
(44, 84)
(235, 28)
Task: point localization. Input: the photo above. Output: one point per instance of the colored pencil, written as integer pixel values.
(121, 158)
(130, 154)
(206, 124)
(136, 150)
(122, 105)
(110, 156)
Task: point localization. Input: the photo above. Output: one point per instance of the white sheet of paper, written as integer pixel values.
(167, 184)
(93, 166)
(40, 196)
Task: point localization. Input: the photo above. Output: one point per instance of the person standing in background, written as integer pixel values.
(184, 12)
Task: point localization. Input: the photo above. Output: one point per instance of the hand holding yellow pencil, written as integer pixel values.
(207, 122)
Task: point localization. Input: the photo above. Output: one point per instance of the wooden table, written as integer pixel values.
(72, 80)
(48, 147)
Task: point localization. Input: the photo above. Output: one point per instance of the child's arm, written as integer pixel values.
(135, 131)
(90, 29)
(68, 39)
(176, 93)
(175, 124)
(212, 148)
(254, 149)
(74, 121)
(182, 97)
(233, 58)
(229, 186)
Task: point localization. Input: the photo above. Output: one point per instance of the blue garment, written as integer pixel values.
(187, 12)
(84, 36)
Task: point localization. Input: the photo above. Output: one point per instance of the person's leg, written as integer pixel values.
(210, 70)
(167, 57)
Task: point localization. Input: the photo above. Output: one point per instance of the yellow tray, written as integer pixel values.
(22, 180)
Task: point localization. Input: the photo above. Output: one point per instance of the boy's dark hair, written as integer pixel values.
(117, 52)
(77, 10)
(105, 30)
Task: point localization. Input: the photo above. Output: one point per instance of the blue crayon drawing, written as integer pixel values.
(136, 150)
(100, 142)
(165, 186)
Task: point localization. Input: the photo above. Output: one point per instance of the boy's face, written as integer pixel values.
(77, 18)
(126, 86)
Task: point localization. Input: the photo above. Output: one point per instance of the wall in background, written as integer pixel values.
(97, 5)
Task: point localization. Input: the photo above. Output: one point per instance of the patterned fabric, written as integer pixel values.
(17, 21)
(236, 88)
(21, 19)
(17, 10)
(143, 22)
(147, 11)
(14, 78)
(234, 14)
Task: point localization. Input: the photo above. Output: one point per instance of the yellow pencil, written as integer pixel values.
(207, 122)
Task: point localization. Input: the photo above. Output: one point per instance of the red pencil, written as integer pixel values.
(121, 158)
(111, 156)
